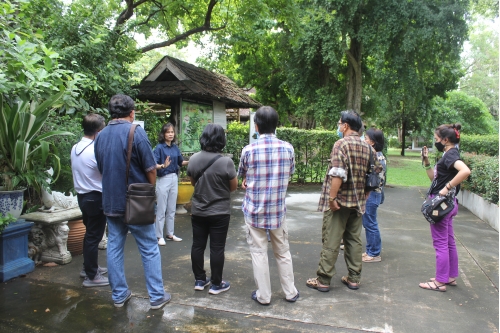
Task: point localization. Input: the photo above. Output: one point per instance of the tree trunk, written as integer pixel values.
(354, 76)
(403, 141)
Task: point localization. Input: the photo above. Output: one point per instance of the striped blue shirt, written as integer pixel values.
(267, 165)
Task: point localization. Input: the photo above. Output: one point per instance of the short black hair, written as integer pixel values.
(352, 119)
(266, 119)
(164, 129)
(377, 136)
(120, 106)
(213, 138)
(92, 123)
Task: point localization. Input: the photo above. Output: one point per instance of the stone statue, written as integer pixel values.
(54, 200)
(56, 240)
(57, 201)
(36, 239)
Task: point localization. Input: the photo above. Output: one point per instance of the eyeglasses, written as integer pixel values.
(340, 123)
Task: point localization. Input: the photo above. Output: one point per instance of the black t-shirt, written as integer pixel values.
(445, 171)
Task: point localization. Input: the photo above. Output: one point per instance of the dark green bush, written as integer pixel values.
(480, 144)
(394, 143)
(483, 179)
(312, 149)
(238, 136)
(63, 145)
(312, 152)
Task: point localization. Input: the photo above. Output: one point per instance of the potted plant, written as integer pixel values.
(24, 154)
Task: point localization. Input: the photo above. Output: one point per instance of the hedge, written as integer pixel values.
(480, 144)
(483, 179)
(312, 149)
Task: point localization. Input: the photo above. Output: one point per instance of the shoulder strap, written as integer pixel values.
(129, 147)
(212, 161)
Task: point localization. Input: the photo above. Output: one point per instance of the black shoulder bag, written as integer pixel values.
(140, 205)
(372, 181)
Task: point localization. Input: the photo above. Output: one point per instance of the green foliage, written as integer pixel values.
(62, 145)
(238, 136)
(5, 221)
(480, 62)
(312, 152)
(480, 144)
(483, 179)
(153, 122)
(28, 67)
(459, 107)
(394, 143)
(25, 152)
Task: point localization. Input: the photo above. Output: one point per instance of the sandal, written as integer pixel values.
(368, 258)
(315, 284)
(350, 285)
(429, 286)
(449, 283)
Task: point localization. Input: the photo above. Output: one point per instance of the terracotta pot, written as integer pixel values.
(75, 237)
(185, 193)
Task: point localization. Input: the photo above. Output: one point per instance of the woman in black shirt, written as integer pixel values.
(447, 174)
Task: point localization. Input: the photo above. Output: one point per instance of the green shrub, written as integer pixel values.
(237, 138)
(63, 145)
(483, 179)
(480, 144)
(312, 152)
(394, 143)
(312, 149)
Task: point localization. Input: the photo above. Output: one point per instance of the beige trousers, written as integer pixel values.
(257, 241)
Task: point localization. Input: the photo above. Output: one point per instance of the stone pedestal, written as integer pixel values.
(49, 236)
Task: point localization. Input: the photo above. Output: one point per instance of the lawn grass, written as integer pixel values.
(405, 170)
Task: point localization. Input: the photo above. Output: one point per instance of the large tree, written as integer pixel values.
(480, 63)
(97, 37)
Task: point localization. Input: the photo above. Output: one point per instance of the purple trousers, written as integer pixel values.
(446, 250)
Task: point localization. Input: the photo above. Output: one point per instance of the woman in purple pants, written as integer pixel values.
(447, 174)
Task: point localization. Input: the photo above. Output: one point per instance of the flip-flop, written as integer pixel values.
(449, 283)
(314, 283)
(429, 287)
(350, 285)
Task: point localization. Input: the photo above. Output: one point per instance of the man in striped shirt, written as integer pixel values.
(266, 167)
(343, 201)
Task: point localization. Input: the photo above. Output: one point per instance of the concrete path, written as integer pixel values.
(389, 299)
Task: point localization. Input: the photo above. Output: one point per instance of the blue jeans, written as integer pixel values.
(150, 254)
(373, 240)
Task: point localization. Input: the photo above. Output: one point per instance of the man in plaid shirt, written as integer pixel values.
(266, 167)
(342, 201)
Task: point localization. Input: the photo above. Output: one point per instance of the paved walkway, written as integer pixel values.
(389, 299)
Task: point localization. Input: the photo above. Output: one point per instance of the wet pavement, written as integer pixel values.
(51, 299)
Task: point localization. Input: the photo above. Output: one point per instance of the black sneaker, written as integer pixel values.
(122, 303)
(161, 303)
(200, 284)
(223, 286)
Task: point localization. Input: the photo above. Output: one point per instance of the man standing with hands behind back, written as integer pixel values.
(266, 167)
(88, 186)
(111, 155)
(343, 201)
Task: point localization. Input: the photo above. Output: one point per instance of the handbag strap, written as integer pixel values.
(129, 146)
(212, 161)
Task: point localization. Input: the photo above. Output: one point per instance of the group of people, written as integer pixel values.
(265, 168)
